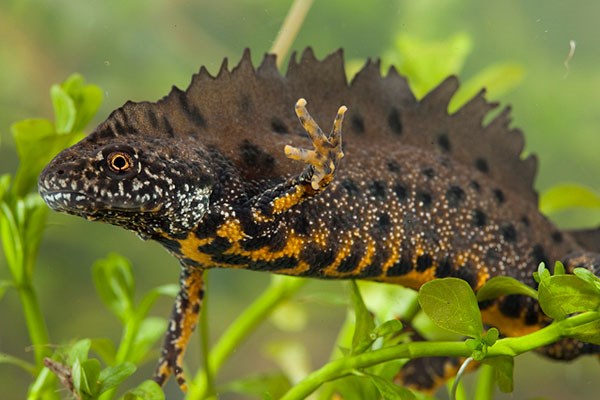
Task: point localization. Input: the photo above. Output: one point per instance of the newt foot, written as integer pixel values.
(327, 151)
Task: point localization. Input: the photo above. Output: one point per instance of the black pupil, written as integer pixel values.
(119, 162)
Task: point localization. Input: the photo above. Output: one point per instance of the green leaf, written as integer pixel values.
(85, 377)
(105, 349)
(589, 333)
(79, 351)
(147, 390)
(86, 98)
(502, 286)
(113, 279)
(503, 372)
(587, 276)
(112, 376)
(497, 79)
(559, 268)
(17, 362)
(565, 196)
(491, 336)
(64, 109)
(391, 327)
(150, 331)
(274, 385)
(91, 371)
(389, 390)
(451, 304)
(562, 295)
(37, 143)
(150, 298)
(430, 61)
(361, 340)
(541, 273)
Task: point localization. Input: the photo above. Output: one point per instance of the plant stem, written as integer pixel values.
(485, 383)
(281, 289)
(289, 30)
(344, 366)
(36, 326)
(509, 346)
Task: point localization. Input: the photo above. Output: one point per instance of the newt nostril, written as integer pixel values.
(60, 172)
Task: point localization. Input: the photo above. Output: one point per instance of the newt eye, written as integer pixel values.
(119, 162)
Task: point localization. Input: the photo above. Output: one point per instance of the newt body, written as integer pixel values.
(418, 195)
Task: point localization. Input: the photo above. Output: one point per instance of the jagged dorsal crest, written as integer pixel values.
(253, 108)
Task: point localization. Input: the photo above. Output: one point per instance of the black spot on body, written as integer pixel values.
(510, 305)
(255, 243)
(377, 189)
(499, 196)
(274, 265)
(509, 233)
(375, 268)
(255, 157)
(350, 187)
(444, 269)
(531, 316)
(479, 218)
(170, 244)
(539, 255)
(467, 273)
(278, 126)
(401, 192)
(455, 195)
(188, 262)
(482, 165)
(401, 267)
(218, 246)
(525, 220)
(424, 262)
(557, 237)
(384, 222)
(475, 186)
(486, 304)
(428, 172)
(301, 224)
(349, 263)
(393, 166)
(424, 198)
(245, 104)
(152, 118)
(358, 124)
(168, 127)
(492, 256)
(209, 225)
(191, 111)
(277, 241)
(444, 142)
(316, 258)
(234, 259)
(394, 121)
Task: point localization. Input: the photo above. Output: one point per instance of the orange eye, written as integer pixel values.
(119, 161)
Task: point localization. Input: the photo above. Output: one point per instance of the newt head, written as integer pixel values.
(134, 182)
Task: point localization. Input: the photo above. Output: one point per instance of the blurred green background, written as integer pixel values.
(135, 50)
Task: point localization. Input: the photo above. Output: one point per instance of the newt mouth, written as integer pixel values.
(73, 202)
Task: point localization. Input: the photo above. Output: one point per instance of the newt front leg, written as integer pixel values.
(184, 318)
